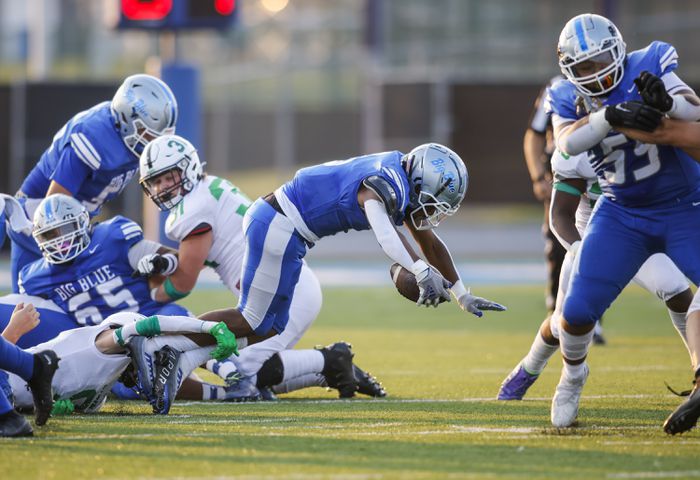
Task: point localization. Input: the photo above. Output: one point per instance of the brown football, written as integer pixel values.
(405, 282)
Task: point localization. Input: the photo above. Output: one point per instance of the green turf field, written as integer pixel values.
(442, 369)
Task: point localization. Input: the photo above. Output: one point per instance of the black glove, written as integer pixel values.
(653, 91)
(635, 115)
(155, 264)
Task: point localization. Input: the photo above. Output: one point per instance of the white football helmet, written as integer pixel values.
(144, 108)
(438, 181)
(590, 37)
(61, 228)
(169, 169)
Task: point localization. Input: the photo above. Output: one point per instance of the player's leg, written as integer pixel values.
(683, 247)
(545, 344)
(37, 369)
(12, 424)
(611, 253)
(660, 276)
(554, 255)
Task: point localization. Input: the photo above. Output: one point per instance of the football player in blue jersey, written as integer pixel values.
(650, 191)
(87, 270)
(377, 192)
(96, 153)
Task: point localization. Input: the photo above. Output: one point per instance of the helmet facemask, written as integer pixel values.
(178, 185)
(610, 63)
(62, 242)
(142, 135)
(430, 211)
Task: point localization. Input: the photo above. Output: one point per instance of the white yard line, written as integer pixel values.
(667, 474)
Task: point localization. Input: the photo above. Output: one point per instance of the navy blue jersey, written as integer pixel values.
(97, 283)
(632, 173)
(326, 195)
(88, 158)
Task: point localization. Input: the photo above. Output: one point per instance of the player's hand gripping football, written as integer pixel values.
(433, 287)
(633, 114)
(155, 264)
(653, 91)
(476, 305)
(226, 343)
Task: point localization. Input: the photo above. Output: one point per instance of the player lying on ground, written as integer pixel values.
(206, 219)
(575, 192)
(650, 192)
(93, 358)
(36, 369)
(377, 192)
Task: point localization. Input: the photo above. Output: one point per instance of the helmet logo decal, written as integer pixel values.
(580, 35)
(174, 143)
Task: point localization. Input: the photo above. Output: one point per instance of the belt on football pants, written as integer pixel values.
(272, 200)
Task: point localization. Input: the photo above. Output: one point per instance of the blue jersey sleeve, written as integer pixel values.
(124, 230)
(561, 100)
(662, 58)
(70, 171)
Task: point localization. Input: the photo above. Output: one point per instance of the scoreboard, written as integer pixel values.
(176, 14)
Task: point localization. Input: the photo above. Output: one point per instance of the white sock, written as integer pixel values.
(574, 347)
(679, 321)
(540, 352)
(223, 369)
(300, 362)
(598, 329)
(212, 392)
(304, 381)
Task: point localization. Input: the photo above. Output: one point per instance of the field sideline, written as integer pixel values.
(442, 369)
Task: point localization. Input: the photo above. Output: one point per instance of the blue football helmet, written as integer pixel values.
(592, 38)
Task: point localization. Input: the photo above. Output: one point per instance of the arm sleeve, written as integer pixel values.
(71, 172)
(682, 109)
(141, 249)
(386, 234)
(161, 325)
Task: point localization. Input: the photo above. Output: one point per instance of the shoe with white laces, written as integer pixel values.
(567, 397)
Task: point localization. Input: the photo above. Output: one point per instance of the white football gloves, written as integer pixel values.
(475, 305)
(433, 287)
(156, 264)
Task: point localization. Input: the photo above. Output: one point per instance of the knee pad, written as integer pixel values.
(578, 312)
(271, 372)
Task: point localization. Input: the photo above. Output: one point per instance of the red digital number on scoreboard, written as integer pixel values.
(146, 9)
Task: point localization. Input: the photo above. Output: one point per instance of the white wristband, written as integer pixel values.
(418, 267)
(458, 289)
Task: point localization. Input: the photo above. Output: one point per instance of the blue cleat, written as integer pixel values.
(515, 386)
(122, 392)
(144, 363)
(267, 394)
(168, 377)
(243, 390)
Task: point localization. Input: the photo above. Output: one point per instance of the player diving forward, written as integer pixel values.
(576, 190)
(206, 218)
(377, 192)
(94, 357)
(650, 192)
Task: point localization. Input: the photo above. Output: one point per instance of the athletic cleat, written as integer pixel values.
(367, 384)
(267, 394)
(516, 384)
(685, 417)
(122, 392)
(168, 377)
(12, 424)
(338, 369)
(40, 384)
(566, 399)
(145, 367)
(242, 390)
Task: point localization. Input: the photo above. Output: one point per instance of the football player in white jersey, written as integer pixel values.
(93, 358)
(206, 217)
(574, 195)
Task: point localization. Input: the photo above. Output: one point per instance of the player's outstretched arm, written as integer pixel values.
(432, 285)
(677, 133)
(23, 320)
(438, 255)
